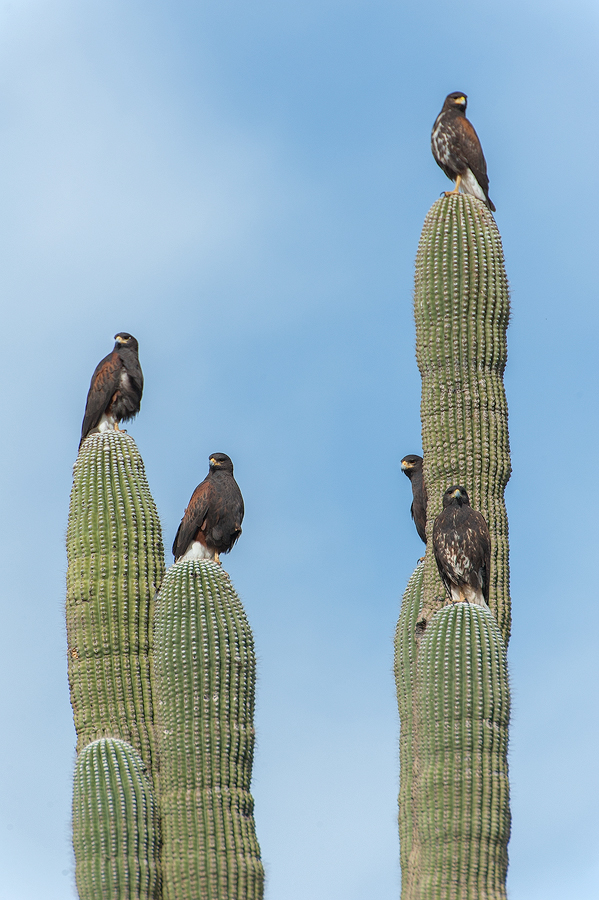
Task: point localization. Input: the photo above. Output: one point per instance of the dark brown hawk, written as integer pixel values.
(457, 149)
(412, 467)
(116, 387)
(462, 547)
(212, 522)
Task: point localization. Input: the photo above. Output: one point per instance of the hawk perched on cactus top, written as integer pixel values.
(212, 521)
(116, 387)
(462, 548)
(457, 149)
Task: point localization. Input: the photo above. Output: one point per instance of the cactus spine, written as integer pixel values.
(116, 828)
(204, 677)
(450, 660)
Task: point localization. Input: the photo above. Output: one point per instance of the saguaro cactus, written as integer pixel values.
(450, 660)
(204, 666)
(204, 677)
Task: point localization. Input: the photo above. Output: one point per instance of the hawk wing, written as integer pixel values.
(226, 515)
(419, 504)
(104, 383)
(194, 517)
(479, 540)
(131, 364)
(469, 148)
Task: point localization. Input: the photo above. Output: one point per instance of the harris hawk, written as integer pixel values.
(411, 466)
(462, 548)
(212, 521)
(458, 151)
(116, 387)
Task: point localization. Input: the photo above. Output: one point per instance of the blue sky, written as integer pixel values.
(242, 187)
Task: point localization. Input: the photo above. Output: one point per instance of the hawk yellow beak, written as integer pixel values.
(461, 100)
(119, 339)
(405, 465)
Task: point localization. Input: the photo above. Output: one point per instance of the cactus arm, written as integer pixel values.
(204, 678)
(461, 778)
(116, 828)
(405, 677)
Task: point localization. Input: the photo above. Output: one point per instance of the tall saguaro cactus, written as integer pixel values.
(450, 658)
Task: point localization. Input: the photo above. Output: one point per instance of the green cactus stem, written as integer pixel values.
(116, 829)
(115, 565)
(450, 659)
(203, 679)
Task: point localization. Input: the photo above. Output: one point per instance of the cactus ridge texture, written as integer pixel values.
(451, 672)
(204, 681)
(461, 308)
(116, 828)
(115, 565)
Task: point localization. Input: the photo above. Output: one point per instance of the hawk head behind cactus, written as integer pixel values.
(411, 466)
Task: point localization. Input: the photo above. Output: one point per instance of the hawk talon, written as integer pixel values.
(456, 189)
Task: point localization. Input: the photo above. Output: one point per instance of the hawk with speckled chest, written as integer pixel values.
(116, 387)
(462, 548)
(457, 150)
(212, 521)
